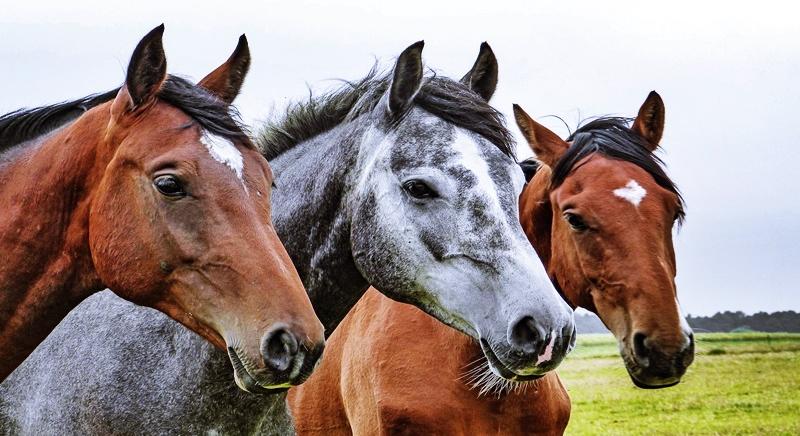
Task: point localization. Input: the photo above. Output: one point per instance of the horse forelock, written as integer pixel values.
(442, 97)
(612, 137)
(26, 125)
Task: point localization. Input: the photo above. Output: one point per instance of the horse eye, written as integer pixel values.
(419, 189)
(575, 221)
(169, 185)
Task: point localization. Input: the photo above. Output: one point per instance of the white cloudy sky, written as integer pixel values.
(726, 70)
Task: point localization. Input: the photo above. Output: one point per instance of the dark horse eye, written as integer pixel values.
(575, 221)
(169, 185)
(419, 189)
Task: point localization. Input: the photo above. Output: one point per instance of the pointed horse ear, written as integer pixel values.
(147, 70)
(406, 78)
(482, 78)
(547, 146)
(226, 81)
(649, 123)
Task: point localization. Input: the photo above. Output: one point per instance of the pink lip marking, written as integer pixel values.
(548, 350)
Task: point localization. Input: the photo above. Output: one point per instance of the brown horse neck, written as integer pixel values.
(47, 267)
(536, 214)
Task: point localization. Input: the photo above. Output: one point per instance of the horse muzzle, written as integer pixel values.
(651, 368)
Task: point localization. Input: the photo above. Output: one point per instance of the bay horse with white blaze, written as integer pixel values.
(155, 191)
(399, 180)
(602, 222)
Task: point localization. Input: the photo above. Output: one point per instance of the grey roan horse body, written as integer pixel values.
(404, 182)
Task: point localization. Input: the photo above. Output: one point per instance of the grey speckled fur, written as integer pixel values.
(115, 368)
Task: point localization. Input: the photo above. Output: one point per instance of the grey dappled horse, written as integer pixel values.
(405, 182)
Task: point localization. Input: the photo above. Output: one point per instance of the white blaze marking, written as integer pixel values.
(548, 350)
(633, 192)
(224, 152)
(473, 160)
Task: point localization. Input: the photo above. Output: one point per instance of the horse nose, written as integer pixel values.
(570, 337)
(641, 349)
(525, 337)
(279, 348)
(686, 356)
(312, 360)
(645, 350)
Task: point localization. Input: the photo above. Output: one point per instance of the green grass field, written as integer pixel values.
(739, 383)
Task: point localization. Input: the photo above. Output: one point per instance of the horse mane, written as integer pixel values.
(613, 138)
(529, 167)
(445, 98)
(212, 114)
(24, 125)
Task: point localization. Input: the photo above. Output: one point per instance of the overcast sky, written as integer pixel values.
(728, 75)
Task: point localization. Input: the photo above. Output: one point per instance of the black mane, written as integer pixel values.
(213, 115)
(529, 167)
(447, 99)
(612, 137)
(25, 124)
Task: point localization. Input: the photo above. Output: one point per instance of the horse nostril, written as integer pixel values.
(686, 356)
(313, 358)
(570, 334)
(640, 349)
(525, 335)
(278, 348)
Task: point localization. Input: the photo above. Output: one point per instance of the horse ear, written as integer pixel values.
(226, 81)
(406, 79)
(482, 78)
(649, 123)
(147, 69)
(547, 146)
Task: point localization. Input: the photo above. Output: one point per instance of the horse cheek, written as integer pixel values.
(123, 258)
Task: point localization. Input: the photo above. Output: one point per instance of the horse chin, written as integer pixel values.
(247, 382)
(642, 385)
(640, 379)
(499, 369)
(651, 383)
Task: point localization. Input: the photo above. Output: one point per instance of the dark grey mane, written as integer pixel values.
(213, 115)
(445, 98)
(612, 137)
(25, 124)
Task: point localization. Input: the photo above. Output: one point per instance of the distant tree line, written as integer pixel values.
(786, 321)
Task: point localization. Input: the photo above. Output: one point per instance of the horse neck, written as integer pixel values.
(47, 267)
(536, 216)
(310, 210)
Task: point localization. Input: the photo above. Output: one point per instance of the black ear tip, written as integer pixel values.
(154, 35)
(414, 51)
(485, 46)
(653, 95)
(242, 45)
